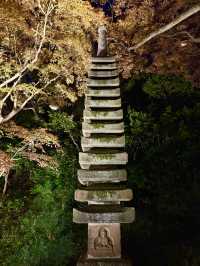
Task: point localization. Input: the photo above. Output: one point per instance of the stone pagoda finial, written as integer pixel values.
(102, 41)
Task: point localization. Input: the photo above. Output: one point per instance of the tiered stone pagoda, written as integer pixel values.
(103, 176)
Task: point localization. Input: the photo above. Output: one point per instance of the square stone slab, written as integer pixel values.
(102, 128)
(107, 59)
(102, 142)
(105, 93)
(102, 103)
(103, 195)
(104, 66)
(103, 214)
(103, 82)
(104, 241)
(87, 177)
(86, 160)
(103, 73)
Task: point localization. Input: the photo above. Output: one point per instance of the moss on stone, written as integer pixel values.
(103, 194)
(99, 113)
(105, 156)
(106, 139)
(97, 92)
(98, 126)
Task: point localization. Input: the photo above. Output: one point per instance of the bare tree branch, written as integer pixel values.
(167, 27)
(41, 8)
(118, 42)
(74, 142)
(2, 173)
(193, 39)
(6, 173)
(16, 110)
(34, 60)
(5, 185)
(10, 91)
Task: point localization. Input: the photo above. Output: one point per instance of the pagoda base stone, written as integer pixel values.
(118, 262)
(104, 241)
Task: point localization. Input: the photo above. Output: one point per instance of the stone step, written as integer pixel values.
(100, 128)
(103, 115)
(99, 196)
(102, 142)
(86, 160)
(103, 74)
(108, 59)
(102, 67)
(99, 83)
(104, 103)
(103, 214)
(86, 177)
(105, 93)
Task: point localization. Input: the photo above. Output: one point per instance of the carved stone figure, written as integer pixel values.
(102, 41)
(103, 240)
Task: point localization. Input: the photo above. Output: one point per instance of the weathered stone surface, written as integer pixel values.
(103, 115)
(106, 195)
(104, 214)
(98, 83)
(104, 66)
(86, 177)
(100, 128)
(102, 103)
(90, 159)
(108, 59)
(103, 74)
(104, 241)
(102, 142)
(105, 93)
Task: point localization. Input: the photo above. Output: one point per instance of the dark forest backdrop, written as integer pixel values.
(39, 145)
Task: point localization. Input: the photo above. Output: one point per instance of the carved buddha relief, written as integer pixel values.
(103, 240)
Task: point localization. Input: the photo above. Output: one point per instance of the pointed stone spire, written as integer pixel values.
(102, 41)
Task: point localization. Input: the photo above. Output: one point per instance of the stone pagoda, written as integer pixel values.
(103, 175)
